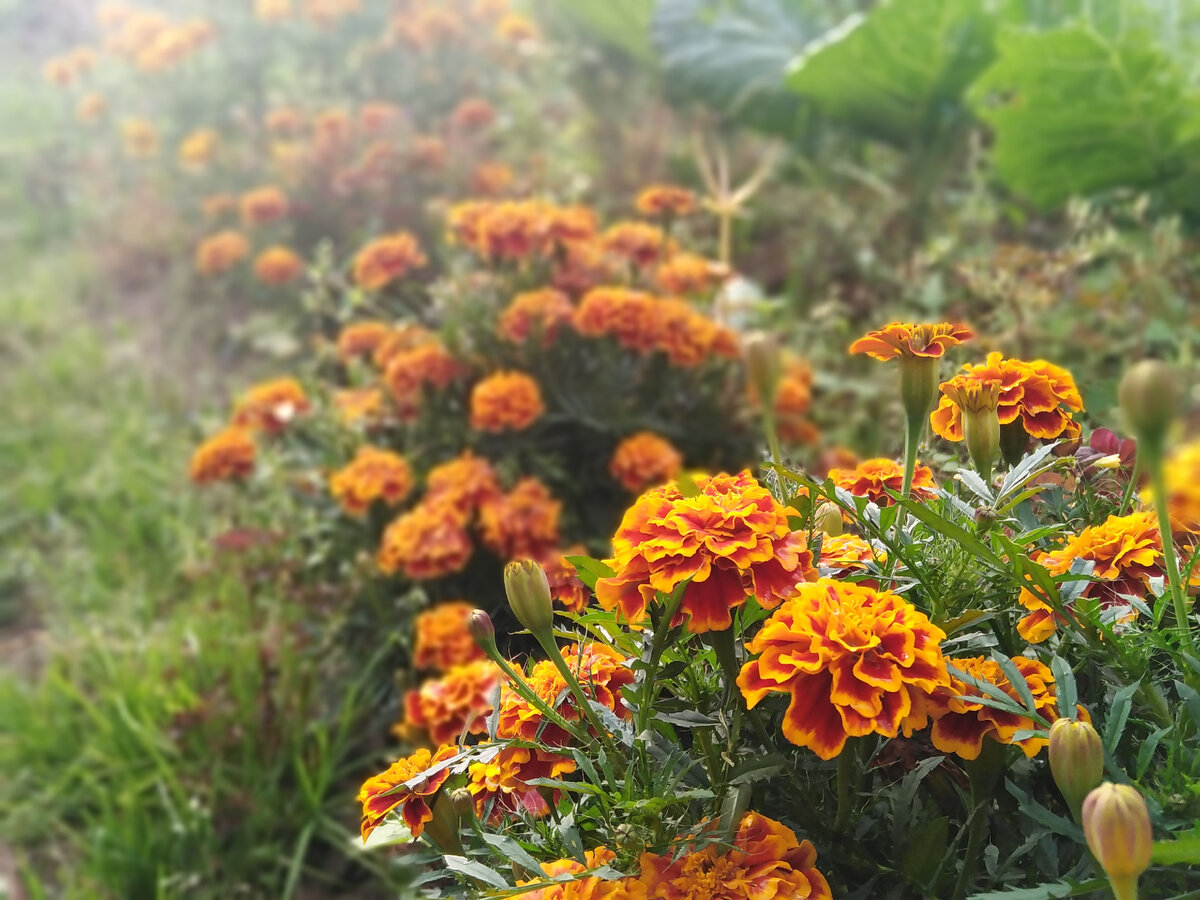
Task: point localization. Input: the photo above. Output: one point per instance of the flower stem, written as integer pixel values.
(581, 699)
(847, 779)
(1171, 561)
(983, 773)
(912, 436)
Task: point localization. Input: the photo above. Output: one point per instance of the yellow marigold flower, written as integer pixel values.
(522, 524)
(402, 786)
(464, 484)
(428, 541)
(140, 138)
(168, 48)
(500, 783)
(686, 273)
(565, 586)
(271, 405)
(640, 244)
(731, 539)
(960, 724)
(473, 114)
(284, 121)
(443, 639)
(644, 460)
(538, 313)
(92, 107)
(220, 252)
(359, 405)
(490, 179)
(844, 553)
(873, 478)
(459, 702)
(854, 660)
(263, 205)
(273, 10)
(198, 149)
(278, 265)
(665, 200)
(506, 401)
(374, 474)
(387, 259)
(1126, 552)
(900, 339)
(361, 339)
(226, 456)
(516, 29)
(410, 372)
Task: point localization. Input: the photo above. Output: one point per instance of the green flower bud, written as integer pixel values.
(529, 596)
(463, 802)
(1150, 397)
(763, 366)
(918, 385)
(828, 518)
(1116, 824)
(1076, 760)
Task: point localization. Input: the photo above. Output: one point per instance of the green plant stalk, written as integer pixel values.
(585, 704)
(912, 436)
(1171, 561)
(983, 773)
(772, 434)
(847, 782)
(657, 646)
(519, 685)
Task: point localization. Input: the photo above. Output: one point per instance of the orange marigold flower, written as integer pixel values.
(491, 179)
(1182, 476)
(358, 405)
(263, 205)
(538, 313)
(220, 252)
(284, 121)
(378, 116)
(374, 474)
(361, 339)
(629, 316)
(416, 785)
(215, 206)
(278, 265)
(443, 639)
(729, 540)
(855, 661)
(506, 401)
(427, 152)
(428, 541)
(960, 724)
(409, 372)
(426, 27)
(589, 888)
(271, 405)
(140, 138)
(500, 783)
(463, 484)
(686, 273)
(565, 586)
(844, 553)
(387, 259)
(873, 478)
(638, 243)
(332, 130)
(459, 702)
(272, 10)
(506, 230)
(687, 336)
(522, 524)
(516, 29)
(408, 336)
(907, 339)
(92, 107)
(793, 399)
(473, 114)
(197, 150)
(1038, 395)
(665, 200)
(644, 460)
(1125, 551)
(226, 456)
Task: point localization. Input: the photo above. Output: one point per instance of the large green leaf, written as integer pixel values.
(1076, 111)
(623, 24)
(898, 73)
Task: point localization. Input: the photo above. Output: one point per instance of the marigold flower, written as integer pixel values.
(687, 336)
(387, 259)
(140, 138)
(332, 130)
(540, 313)
(361, 339)
(220, 252)
(628, 315)
(473, 114)
(516, 29)
(443, 639)
(1182, 476)
(901, 339)
(522, 524)
(854, 660)
(1126, 552)
(426, 27)
(506, 401)
(92, 107)
(665, 200)
(278, 265)
(686, 273)
(428, 541)
(565, 586)
(197, 150)
(458, 702)
(844, 553)
(272, 10)
(501, 781)
(358, 405)
(263, 205)
(640, 244)
(409, 372)
(427, 152)
(271, 405)
(506, 230)
(215, 206)
(960, 724)
(873, 478)
(378, 116)
(490, 179)
(408, 336)
(226, 456)
(374, 474)
(464, 484)
(379, 794)
(731, 539)
(793, 400)
(284, 121)
(644, 460)
(590, 888)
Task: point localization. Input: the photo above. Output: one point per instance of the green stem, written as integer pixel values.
(847, 779)
(772, 436)
(1127, 497)
(657, 646)
(912, 437)
(1178, 595)
(983, 772)
(582, 700)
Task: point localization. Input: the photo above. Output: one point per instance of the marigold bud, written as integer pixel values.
(1116, 824)
(762, 365)
(480, 625)
(442, 830)
(978, 402)
(529, 596)
(1076, 760)
(1150, 399)
(828, 518)
(985, 518)
(463, 801)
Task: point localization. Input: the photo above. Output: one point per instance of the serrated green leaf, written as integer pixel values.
(475, 870)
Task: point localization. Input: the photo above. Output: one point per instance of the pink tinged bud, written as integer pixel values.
(529, 596)
(828, 518)
(1116, 824)
(1076, 760)
(480, 625)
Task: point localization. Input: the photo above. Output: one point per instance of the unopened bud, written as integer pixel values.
(763, 366)
(828, 518)
(1076, 760)
(442, 829)
(1116, 824)
(985, 518)
(463, 801)
(480, 625)
(529, 596)
(1150, 399)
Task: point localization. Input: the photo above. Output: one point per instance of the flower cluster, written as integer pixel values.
(374, 474)
(644, 460)
(874, 479)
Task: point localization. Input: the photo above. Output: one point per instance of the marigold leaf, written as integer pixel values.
(1182, 851)
(475, 870)
(1118, 715)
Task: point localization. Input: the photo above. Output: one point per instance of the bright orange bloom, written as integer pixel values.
(506, 401)
(199, 148)
(565, 587)
(960, 725)
(271, 405)
(408, 336)
(428, 541)
(638, 243)
(387, 259)
(906, 339)
(490, 179)
(844, 553)
(263, 206)
(410, 372)
(140, 138)
(361, 339)
(464, 485)
(1039, 395)
(644, 460)
(1182, 475)
(374, 474)
(688, 337)
(278, 265)
(377, 116)
(536, 313)
(873, 478)
(358, 405)
(458, 702)
(379, 794)
(473, 114)
(500, 785)
(284, 121)
(226, 456)
(793, 399)
(522, 524)
(443, 639)
(220, 252)
(686, 273)
(1126, 552)
(332, 131)
(503, 230)
(629, 316)
(665, 200)
(731, 539)
(590, 888)
(91, 107)
(854, 660)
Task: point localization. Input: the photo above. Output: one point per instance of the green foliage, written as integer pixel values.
(622, 24)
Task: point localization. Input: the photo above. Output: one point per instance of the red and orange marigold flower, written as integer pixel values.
(873, 478)
(263, 205)
(271, 405)
(428, 541)
(460, 701)
(463, 484)
(854, 661)
(506, 401)
(409, 372)
(374, 474)
(219, 253)
(387, 259)
(500, 785)
(278, 265)
(443, 639)
(665, 200)
(637, 243)
(522, 524)
(226, 456)
(686, 273)
(644, 460)
(403, 786)
(565, 585)
(536, 313)
(361, 339)
(728, 540)
(905, 339)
